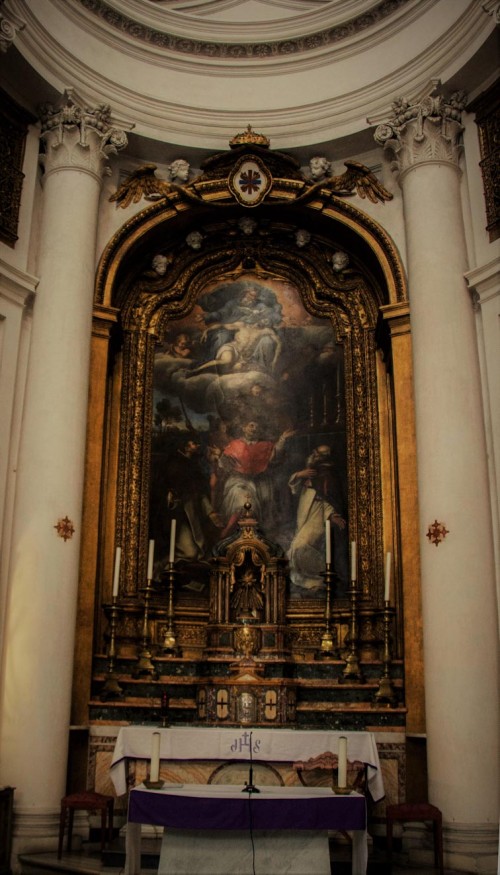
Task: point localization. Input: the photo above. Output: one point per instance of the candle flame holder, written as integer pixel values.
(145, 666)
(385, 692)
(111, 688)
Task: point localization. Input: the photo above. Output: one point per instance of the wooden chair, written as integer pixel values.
(417, 812)
(86, 801)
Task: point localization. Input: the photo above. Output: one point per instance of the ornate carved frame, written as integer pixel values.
(368, 309)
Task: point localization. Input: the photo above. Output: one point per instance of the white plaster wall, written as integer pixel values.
(315, 95)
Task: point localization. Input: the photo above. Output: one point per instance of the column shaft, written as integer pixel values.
(460, 633)
(458, 581)
(43, 579)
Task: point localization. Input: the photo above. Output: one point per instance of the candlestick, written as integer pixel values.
(169, 642)
(164, 709)
(353, 561)
(116, 577)
(387, 577)
(111, 688)
(386, 693)
(172, 541)
(328, 536)
(342, 766)
(150, 559)
(328, 648)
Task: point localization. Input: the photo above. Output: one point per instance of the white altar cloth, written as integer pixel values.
(268, 745)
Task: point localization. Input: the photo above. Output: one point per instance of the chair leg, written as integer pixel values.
(71, 816)
(389, 841)
(103, 827)
(438, 845)
(62, 824)
(111, 806)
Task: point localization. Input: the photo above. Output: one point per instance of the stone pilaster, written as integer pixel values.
(458, 580)
(43, 580)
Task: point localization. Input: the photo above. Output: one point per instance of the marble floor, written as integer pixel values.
(87, 861)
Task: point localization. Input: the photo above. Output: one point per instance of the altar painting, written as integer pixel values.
(248, 406)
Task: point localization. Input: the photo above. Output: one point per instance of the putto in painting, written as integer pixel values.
(249, 406)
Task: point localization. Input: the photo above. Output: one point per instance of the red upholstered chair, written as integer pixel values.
(417, 812)
(86, 801)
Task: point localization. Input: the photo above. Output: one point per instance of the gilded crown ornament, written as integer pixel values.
(250, 138)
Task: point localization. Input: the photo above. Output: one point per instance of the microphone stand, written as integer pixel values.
(249, 785)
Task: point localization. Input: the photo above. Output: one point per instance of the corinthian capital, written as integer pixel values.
(77, 136)
(423, 131)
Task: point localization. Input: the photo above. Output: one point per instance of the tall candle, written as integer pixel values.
(342, 777)
(116, 577)
(172, 541)
(150, 559)
(387, 593)
(154, 769)
(328, 536)
(353, 561)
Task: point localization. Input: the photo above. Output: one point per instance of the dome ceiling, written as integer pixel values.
(194, 72)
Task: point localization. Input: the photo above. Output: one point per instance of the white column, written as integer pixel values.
(458, 576)
(43, 580)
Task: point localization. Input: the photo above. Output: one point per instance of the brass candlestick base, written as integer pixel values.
(145, 666)
(341, 791)
(154, 785)
(111, 689)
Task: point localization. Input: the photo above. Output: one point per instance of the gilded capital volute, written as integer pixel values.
(79, 137)
(428, 130)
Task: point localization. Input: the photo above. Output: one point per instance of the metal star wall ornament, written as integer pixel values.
(65, 528)
(436, 533)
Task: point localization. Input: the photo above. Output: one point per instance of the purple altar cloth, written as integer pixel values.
(268, 810)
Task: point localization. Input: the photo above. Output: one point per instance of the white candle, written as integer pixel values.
(387, 593)
(353, 561)
(172, 541)
(342, 776)
(116, 578)
(328, 535)
(154, 769)
(150, 559)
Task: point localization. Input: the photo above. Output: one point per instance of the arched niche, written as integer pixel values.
(365, 307)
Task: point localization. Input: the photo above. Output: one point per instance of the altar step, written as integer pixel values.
(89, 861)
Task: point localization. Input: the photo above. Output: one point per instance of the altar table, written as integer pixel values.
(217, 829)
(268, 745)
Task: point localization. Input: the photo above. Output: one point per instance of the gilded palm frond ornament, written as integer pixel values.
(357, 179)
(141, 183)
